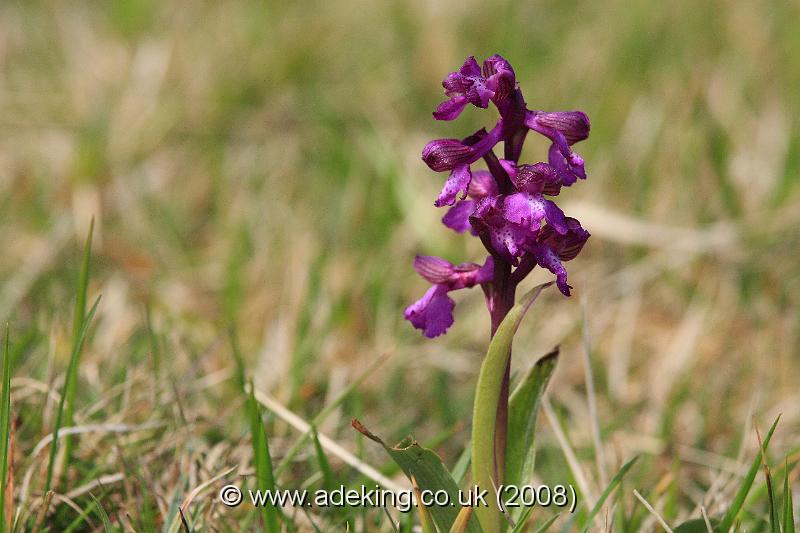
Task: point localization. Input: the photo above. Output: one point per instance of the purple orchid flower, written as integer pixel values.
(456, 156)
(469, 85)
(506, 206)
(433, 313)
(564, 129)
(481, 186)
(551, 248)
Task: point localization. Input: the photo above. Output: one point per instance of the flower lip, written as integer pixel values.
(458, 182)
(433, 313)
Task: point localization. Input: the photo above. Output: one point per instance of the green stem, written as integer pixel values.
(488, 431)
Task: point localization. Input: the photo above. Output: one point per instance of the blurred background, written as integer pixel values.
(255, 167)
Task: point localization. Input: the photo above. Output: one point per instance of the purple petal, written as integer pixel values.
(433, 269)
(524, 209)
(470, 68)
(457, 217)
(499, 76)
(573, 125)
(445, 154)
(467, 86)
(458, 182)
(455, 84)
(555, 216)
(548, 259)
(505, 238)
(528, 210)
(450, 109)
(568, 245)
(479, 94)
(569, 170)
(576, 165)
(483, 184)
(509, 241)
(433, 313)
(510, 167)
(537, 178)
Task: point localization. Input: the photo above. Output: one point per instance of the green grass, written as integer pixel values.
(5, 432)
(253, 172)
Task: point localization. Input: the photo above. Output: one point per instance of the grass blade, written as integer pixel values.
(788, 508)
(615, 481)
(773, 511)
(484, 414)
(545, 526)
(265, 479)
(325, 412)
(5, 434)
(324, 465)
(72, 370)
(79, 314)
(174, 509)
(101, 512)
(733, 511)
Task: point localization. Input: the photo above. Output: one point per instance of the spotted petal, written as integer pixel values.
(458, 182)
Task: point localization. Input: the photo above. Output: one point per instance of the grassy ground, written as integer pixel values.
(253, 170)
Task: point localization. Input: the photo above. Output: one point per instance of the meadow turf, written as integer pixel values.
(253, 171)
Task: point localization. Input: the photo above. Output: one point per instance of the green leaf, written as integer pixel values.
(738, 500)
(617, 479)
(523, 411)
(265, 480)
(430, 474)
(484, 414)
(462, 521)
(425, 519)
(788, 513)
(459, 470)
